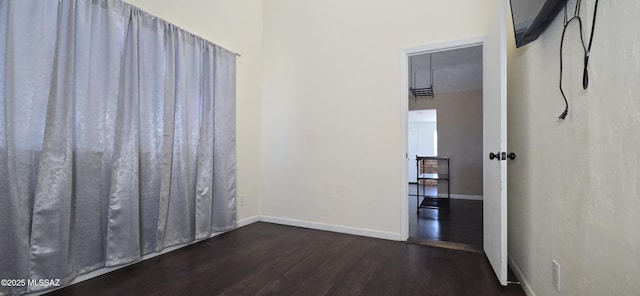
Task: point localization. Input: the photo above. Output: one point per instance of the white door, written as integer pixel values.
(412, 151)
(495, 141)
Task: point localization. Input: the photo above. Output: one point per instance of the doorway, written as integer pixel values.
(422, 138)
(447, 211)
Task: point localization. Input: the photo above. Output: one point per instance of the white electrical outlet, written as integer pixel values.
(556, 275)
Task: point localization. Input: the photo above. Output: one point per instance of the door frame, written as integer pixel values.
(405, 53)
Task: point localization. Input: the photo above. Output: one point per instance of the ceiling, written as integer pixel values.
(454, 70)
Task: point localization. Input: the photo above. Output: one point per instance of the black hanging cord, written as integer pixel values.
(585, 75)
(587, 50)
(564, 31)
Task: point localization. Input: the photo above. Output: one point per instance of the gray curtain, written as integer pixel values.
(117, 137)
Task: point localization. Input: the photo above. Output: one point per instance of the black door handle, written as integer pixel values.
(502, 156)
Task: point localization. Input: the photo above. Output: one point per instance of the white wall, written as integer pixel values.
(459, 137)
(424, 145)
(332, 146)
(574, 190)
(235, 25)
(425, 137)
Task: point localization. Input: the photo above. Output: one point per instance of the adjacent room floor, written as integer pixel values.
(270, 259)
(459, 226)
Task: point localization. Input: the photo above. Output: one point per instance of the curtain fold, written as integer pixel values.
(117, 137)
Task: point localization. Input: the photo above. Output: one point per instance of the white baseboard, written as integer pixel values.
(333, 228)
(526, 287)
(462, 196)
(247, 221)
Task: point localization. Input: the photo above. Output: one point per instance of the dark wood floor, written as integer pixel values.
(461, 224)
(269, 259)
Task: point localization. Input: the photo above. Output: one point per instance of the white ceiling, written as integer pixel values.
(454, 70)
(423, 116)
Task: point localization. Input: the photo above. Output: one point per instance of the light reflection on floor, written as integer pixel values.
(461, 223)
